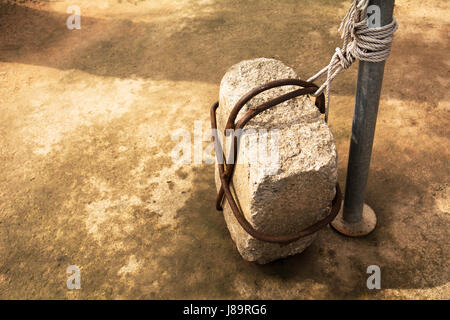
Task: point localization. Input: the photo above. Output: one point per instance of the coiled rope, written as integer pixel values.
(360, 42)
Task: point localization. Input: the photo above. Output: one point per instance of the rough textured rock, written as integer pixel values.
(283, 198)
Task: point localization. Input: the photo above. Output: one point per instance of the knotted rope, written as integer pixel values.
(360, 42)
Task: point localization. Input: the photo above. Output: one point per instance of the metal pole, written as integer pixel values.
(357, 218)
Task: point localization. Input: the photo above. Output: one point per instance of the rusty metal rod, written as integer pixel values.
(226, 172)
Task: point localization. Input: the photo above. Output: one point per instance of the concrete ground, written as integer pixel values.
(87, 179)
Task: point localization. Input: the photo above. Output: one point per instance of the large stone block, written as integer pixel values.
(294, 192)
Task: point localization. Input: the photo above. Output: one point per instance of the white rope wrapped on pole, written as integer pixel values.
(372, 44)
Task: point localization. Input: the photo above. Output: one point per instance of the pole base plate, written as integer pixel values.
(356, 229)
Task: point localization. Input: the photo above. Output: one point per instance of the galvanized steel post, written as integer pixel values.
(357, 218)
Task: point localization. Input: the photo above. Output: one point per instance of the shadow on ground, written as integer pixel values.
(203, 47)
